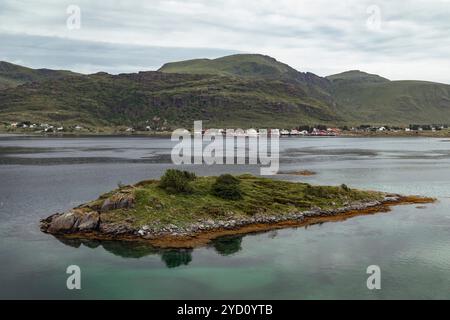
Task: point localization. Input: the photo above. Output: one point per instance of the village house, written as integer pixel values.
(274, 132)
(251, 132)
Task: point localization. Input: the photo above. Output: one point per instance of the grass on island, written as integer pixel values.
(204, 198)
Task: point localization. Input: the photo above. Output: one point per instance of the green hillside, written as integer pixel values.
(236, 91)
(357, 76)
(12, 75)
(242, 65)
(254, 66)
(174, 99)
(365, 98)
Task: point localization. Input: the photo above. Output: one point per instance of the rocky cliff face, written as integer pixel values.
(87, 218)
(72, 221)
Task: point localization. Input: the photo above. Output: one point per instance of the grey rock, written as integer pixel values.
(73, 221)
(118, 201)
(63, 223)
(88, 221)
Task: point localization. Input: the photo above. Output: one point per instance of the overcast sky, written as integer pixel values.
(398, 39)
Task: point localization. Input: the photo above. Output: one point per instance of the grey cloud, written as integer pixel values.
(322, 35)
(90, 57)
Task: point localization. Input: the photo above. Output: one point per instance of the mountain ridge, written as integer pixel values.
(239, 90)
(13, 75)
(357, 75)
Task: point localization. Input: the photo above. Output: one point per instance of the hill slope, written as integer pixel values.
(176, 99)
(372, 99)
(357, 76)
(245, 65)
(254, 66)
(235, 91)
(12, 75)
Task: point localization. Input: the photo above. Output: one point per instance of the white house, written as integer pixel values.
(215, 132)
(275, 132)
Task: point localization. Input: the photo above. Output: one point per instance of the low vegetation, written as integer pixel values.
(227, 187)
(180, 198)
(176, 181)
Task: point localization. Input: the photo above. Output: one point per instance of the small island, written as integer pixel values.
(182, 210)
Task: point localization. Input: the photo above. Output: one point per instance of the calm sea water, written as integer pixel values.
(40, 176)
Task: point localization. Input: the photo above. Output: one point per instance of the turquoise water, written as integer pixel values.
(40, 176)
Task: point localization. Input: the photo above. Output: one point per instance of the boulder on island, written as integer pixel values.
(72, 221)
(118, 201)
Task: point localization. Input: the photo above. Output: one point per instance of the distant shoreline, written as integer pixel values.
(400, 134)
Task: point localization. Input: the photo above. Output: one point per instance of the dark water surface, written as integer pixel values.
(40, 176)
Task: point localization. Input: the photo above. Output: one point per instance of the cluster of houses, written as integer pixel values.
(255, 132)
(319, 130)
(312, 132)
(42, 127)
(325, 131)
(411, 128)
(147, 128)
(273, 132)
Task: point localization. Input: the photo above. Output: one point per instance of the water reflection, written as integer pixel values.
(172, 258)
(176, 257)
(226, 246)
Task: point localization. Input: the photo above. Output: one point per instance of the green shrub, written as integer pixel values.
(177, 181)
(345, 187)
(227, 187)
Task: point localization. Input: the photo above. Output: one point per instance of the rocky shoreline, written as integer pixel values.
(86, 222)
